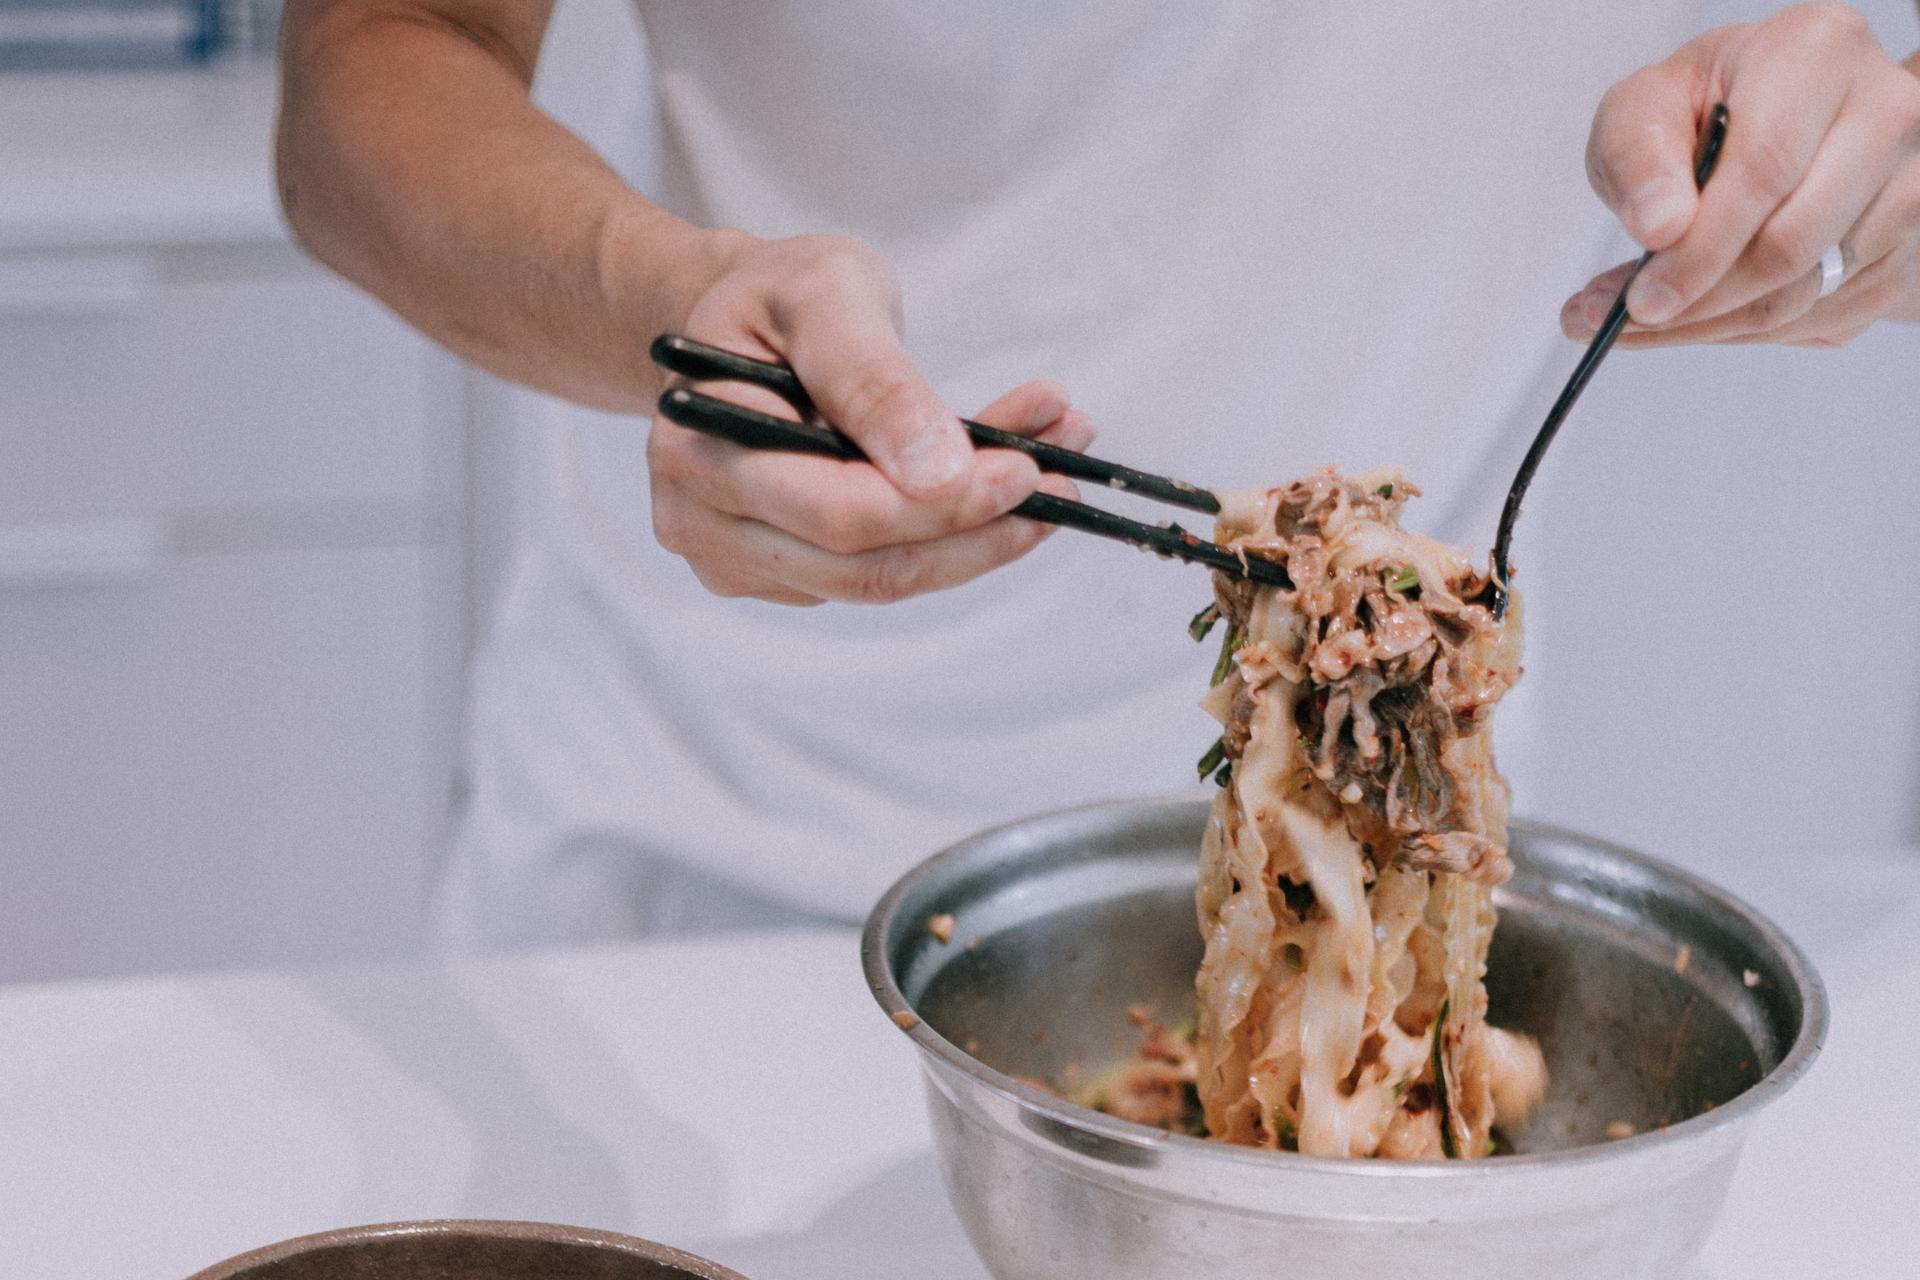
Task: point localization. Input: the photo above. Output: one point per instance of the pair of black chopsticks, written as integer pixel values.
(710, 415)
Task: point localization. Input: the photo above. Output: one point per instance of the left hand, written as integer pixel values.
(1823, 149)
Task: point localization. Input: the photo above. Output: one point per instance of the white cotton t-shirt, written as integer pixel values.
(1251, 239)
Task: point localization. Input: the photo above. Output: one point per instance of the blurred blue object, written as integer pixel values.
(50, 35)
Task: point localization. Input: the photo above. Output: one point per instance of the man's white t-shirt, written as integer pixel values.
(1251, 238)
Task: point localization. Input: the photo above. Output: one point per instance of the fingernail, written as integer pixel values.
(932, 458)
(1573, 318)
(1655, 205)
(1652, 300)
(1080, 433)
(1595, 303)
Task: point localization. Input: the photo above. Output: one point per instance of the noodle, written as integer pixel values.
(1348, 866)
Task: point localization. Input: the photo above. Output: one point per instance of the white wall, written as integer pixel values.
(1723, 663)
(1726, 654)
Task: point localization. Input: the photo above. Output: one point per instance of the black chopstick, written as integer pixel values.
(703, 363)
(725, 420)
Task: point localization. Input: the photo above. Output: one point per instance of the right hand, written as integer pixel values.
(797, 529)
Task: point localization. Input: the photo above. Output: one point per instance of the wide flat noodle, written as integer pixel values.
(1347, 871)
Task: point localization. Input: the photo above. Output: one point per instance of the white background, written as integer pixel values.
(1725, 649)
(1724, 662)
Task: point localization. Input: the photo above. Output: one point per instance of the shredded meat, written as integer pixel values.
(1346, 884)
(1400, 660)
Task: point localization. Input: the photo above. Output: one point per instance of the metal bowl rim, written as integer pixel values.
(234, 1268)
(1792, 1065)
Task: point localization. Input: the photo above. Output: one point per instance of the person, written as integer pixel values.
(1253, 242)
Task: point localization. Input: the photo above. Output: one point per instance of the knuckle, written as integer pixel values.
(1614, 134)
(671, 534)
(833, 266)
(721, 583)
(1838, 338)
(1598, 176)
(1905, 111)
(1771, 164)
(1784, 249)
(671, 529)
(885, 579)
(1903, 203)
(670, 459)
(877, 391)
(1606, 123)
(1881, 291)
(1837, 23)
(1772, 310)
(848, 530)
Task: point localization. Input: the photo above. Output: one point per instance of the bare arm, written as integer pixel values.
(413, 161)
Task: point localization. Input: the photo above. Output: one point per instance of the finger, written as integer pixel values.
(708, 541)
(890, 573)
(1846, 313)
(1582, 315)
(1028, 409)
(1042, 411)
(1783, 99)
(1854, 162)
(1762, 315)
(1640, 150)
(1877, 246)
(837, 506)
(1842, 316)
(843, 344)
(1072, 430)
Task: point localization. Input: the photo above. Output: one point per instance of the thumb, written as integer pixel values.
(1640, 153)
(852, 363)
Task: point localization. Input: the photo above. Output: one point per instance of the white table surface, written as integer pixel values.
(739, 1096)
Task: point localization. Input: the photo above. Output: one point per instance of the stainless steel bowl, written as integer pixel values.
(1063, 921)
(466, 1249)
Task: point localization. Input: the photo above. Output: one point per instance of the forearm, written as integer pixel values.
(412, 160)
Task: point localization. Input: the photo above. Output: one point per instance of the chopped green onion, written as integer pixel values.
(1224, 775)
(1228, 643)
(1216, 755)
(1449, 1144)
(1173, 527)
(1385, 491)
(1203, 622)
(1295, 958)
(1406, 580)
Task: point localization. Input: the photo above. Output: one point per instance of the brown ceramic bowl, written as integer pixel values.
(454, 1249)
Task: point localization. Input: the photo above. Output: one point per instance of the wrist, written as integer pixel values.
(693, 261)
(653, 267)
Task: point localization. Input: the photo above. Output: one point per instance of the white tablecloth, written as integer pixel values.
(741, 1097)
